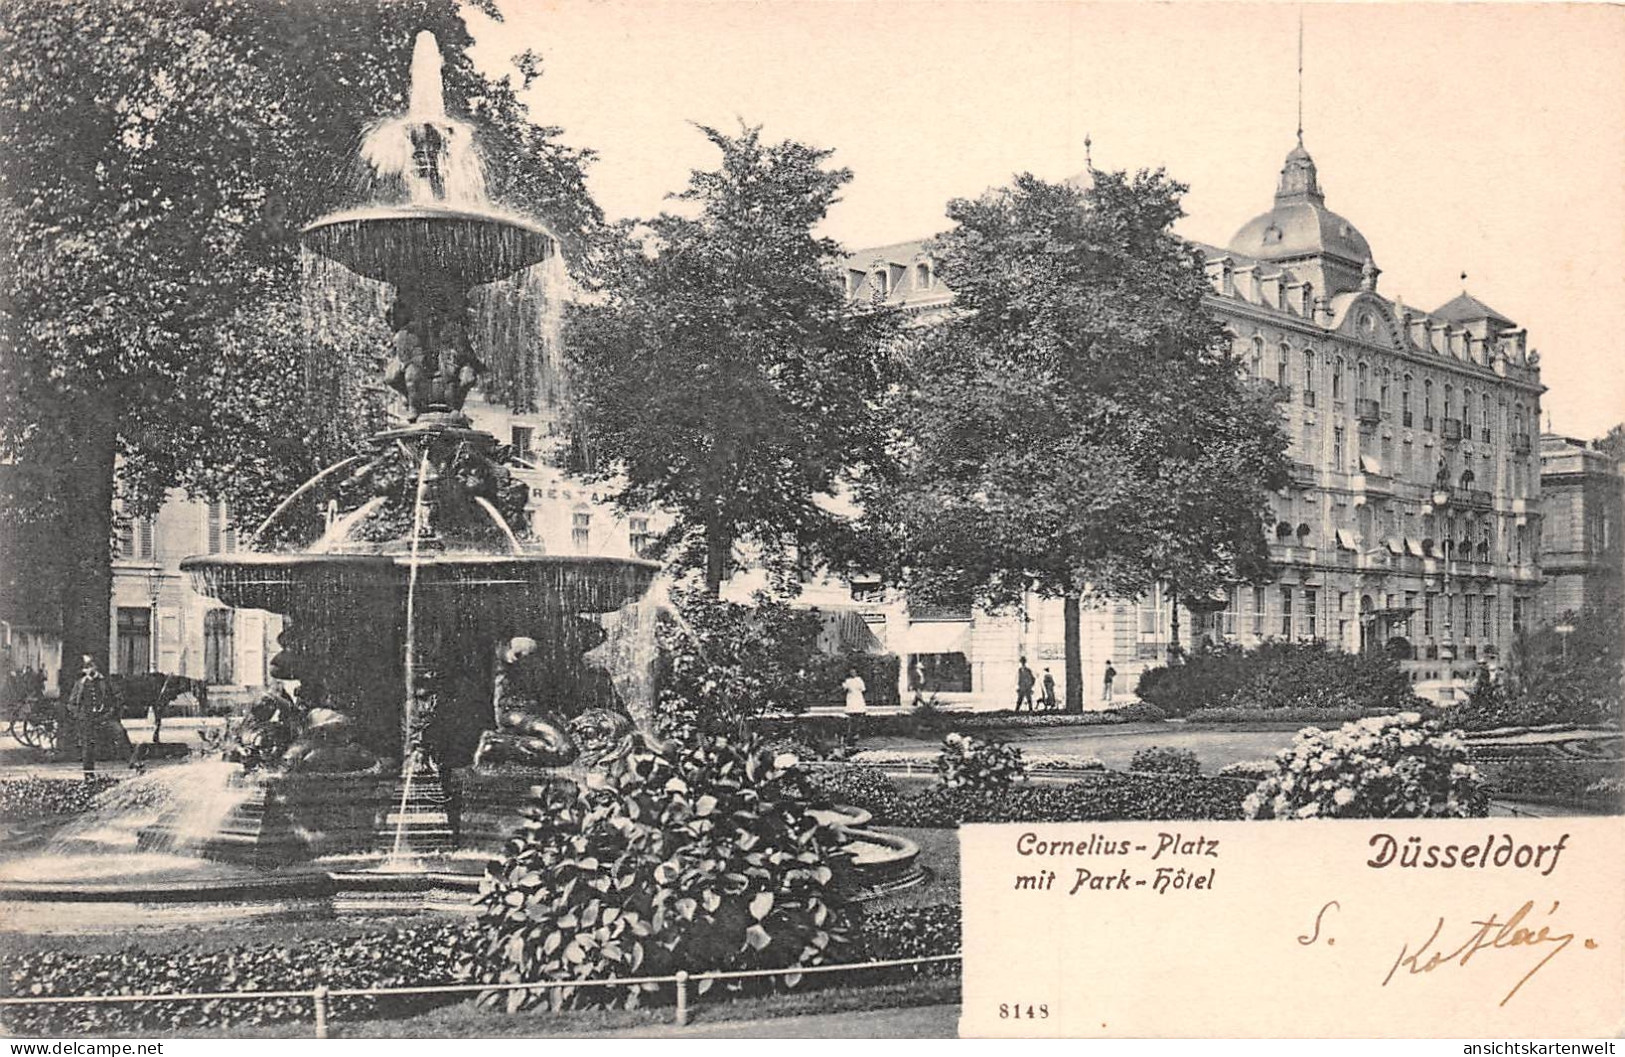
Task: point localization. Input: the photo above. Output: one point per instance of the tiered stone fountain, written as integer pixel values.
(439, 652)
(426, 619)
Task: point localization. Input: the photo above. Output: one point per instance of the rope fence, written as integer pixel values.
(321, 996)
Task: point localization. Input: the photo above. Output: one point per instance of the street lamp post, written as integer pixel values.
(1441, 500)
(155, 588)
(1563, 633)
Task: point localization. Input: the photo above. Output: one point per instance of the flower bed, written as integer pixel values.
(1288, 714)
(393, 958)
(1104, 796)
(22, 799)
(1587, 783)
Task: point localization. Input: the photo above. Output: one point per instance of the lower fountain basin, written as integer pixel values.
(318, 846)
(282, 583)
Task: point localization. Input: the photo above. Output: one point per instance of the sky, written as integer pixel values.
(1487, 139)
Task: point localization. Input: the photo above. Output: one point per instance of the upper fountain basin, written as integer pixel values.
(404, 243)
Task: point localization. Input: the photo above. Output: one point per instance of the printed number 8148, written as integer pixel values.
(1018, 1011)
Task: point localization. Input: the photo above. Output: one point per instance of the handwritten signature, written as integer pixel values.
(1493, 934)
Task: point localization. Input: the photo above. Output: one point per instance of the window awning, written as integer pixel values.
(1395, 545)
(1369, 464)
(1413, 547)
(1345, 540)
(937, 636)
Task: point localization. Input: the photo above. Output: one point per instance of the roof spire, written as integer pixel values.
(1300, 76)
(1088, 156)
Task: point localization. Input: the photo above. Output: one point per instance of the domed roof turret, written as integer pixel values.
(1300, 225)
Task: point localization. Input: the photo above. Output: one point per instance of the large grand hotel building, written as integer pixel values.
(1412, 520)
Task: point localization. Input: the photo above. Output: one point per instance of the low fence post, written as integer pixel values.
(319, 998)
(682, 998)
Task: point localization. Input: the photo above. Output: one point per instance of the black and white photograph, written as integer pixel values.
(725, 520)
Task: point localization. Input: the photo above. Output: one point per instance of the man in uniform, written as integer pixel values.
(90, 703)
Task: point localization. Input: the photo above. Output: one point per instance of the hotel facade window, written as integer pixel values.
(222, 536)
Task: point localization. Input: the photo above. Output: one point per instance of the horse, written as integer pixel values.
(152, 692)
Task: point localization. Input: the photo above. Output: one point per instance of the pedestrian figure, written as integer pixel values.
(90, 702)
(1024, 686)
(1111, 675)
(854, 687)
(1049, 690)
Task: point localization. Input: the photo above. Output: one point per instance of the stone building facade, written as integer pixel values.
(1583, 503)
(1412, 522)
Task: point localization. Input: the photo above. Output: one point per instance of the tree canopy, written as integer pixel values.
(160, 157)
(1078, 424)
(724, 375)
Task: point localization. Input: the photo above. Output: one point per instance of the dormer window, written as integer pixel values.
(922, 276)
(882, 282)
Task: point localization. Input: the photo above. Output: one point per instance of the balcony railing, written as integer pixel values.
(1484, 435)
(1303, 474)
(1308, 398)
(1368, 410)
(1406, 419)
(921, 614)
(1427, 423)
(1450, 429)
(1474, 498)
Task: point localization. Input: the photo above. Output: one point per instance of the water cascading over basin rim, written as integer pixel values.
(400, 243)
(279, 581)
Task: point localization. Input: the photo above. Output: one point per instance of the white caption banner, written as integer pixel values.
(1483, 928)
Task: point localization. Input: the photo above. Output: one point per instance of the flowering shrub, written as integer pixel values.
(1381, 767)
(971, 763)
(1160, 759)
(721, 662)
(702, 858)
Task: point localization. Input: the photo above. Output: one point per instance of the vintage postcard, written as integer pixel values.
(714, 519)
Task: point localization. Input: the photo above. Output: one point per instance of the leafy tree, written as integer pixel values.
(160, 157)
(1079, 425)
(1552, 677)
(1612, 443)
(725, 376)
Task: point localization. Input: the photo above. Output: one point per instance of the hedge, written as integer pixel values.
(394, 958)
(1106, 796)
